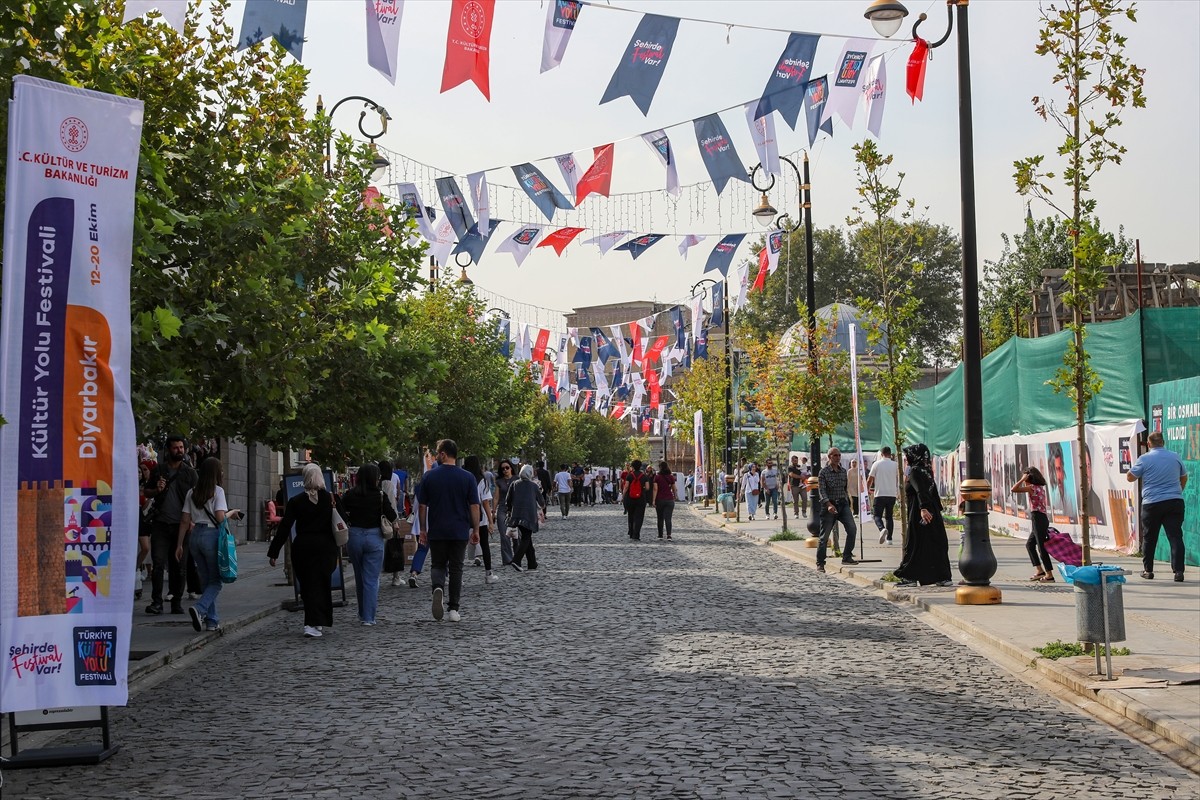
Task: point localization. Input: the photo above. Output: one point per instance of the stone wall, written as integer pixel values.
(251, 478)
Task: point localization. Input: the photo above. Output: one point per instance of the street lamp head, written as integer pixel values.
(886, 16)
(764, 215)
(379, 164)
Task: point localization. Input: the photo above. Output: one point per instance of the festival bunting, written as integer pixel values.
(717, 150)
(636, 349)
(688, 241)
(641, 244)
(643, 62)
(547, 375)
(477, 186)
(559, 239)
(816, 94)
(443, 240)
(760, 280)
(454, 205)
(598, 178)
(845, 87)
(652, 382)
(718, 304)
(468, 44)
(696, 306)
(541, 191)
(769, 255)
(618, 381)
(762, 133)
(561, 16)
(282, 20)
(383, 35)
(521, 243)
(677, 324)
(618, 340)
(583, 353)
(601, 378)
(605, 241)
(660, 143)
(474, 242)
(521, 348)
(174, 12)
(874, 94)
(743, 278)
(503, 327)
(561, 352)
(655, 350)
(569, 168)
(917, 61)
(605, 349)
(701, 344)
(722, 255)
(410, 198)
(784, 91)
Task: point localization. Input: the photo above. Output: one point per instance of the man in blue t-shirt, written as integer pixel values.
(448, 506)
(1163, 478)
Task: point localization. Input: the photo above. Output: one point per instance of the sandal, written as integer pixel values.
(1046, 578)
(1038, 576)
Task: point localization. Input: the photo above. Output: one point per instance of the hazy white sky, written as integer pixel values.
(1155, 193)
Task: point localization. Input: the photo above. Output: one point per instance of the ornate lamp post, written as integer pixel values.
(977, 563)
(379, 164)
(728, 383)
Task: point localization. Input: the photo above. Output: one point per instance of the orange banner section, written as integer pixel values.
(88, 402)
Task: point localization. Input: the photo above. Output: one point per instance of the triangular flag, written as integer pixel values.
(718, 153)
(917, 61)
(383, 35)
(660, 143)
(477, 185)
(598, 178)
(605, 241)
(686, 242)
(569, 168)
(468, 44)
(772, 247)
(642, 63)
(743, 276)
(762, 133)
(816, 95)
(455, 205)
(560, 238)
(410, 199)
(846, 81)
(540, 190)
(174, 12)
(284, 22)
(521, 243)
(474, 242)
(874, 94)
(641, 244)
(722, 255)
(561, 16)
(538, 351)
(443, 240)
(784, 91)
(764, 266)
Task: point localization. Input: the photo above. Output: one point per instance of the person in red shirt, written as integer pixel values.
(663, 497)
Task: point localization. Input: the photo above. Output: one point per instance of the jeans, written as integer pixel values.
(202, 542)
(636, 514)
(164, 536)
(446, 557)
(564, 503)
(663, 509)
(883, 514)
(365, 549)
(1035, 545)
(525, 549)
(1167, 515)
(506, 542)
(799, 500)
(772, 497)
(751, 504)
(844, 514)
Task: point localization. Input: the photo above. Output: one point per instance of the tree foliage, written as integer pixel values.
(702, 388)
(823, 399)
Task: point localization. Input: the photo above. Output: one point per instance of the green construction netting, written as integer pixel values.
(1157, 345)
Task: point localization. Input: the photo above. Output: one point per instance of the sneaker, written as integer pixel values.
(154, 608)
(478, 562)
(1147, 575)
(397, 580)
(849, 560)
(907, 583)
(365, 623)
(197, 620)
(490, 578)
(321, 628)
(1179, 577)
(454, 616)
(192, 595)
(212, 627)
(311, 632)
(945, 583)
(882, 537)
(437, 604)
(820, 567)
(177, 608)
(515, 566)
(412, 580)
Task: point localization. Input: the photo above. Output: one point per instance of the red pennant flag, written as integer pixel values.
(916, 70)
(539, 345)
(618, 410)
(636, 330)
(655, 387)
(598, 178)
(560, 238)
(656, 349)
(548, 381)
(764, 265)
(468, 44)
(646, 425)
(586, 403)
(373, 201)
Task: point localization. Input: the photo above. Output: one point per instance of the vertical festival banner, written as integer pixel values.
(68, 477)
(846, 80)
(468, 45)
(281, 19)
(383, 35)
(561, 16)
(699, 479)
(643, 62)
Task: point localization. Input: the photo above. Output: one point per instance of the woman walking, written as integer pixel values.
(506, 478)
(363, 508)
(926, 560)
(663, 497)
(751, 486)
(204, 507)
(314, 552)
(1033, 483)
(526, 506)
(487, 512)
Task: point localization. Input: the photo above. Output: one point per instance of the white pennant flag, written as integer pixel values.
(174, 12)
(688, 241)
(845, 82)
(561, 357)
(743, 273)
(618, 338)
(601, 377)
(561, 17)
(522, 348)
(521, 243)
(410, 197)
(573, 333)
(383, 38)
(569, 168)
(762, 131)
(443, 241)
(874, 94)
(697, 307)
(660, 143)
(773, 246)
(477, 181)
(605, 241)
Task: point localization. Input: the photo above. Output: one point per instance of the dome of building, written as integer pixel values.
(793, 340)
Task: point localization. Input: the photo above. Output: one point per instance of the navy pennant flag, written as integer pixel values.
(540, 190)
(815, 96)
(702, 344)
(281, 19)
(717, 150)
(455, 206)
(473, 242)
(503, 327)
(641, 244)
(605, 349)
(784, 91)
(718, 304)
(722, 255)
(643, 62)
(677, 322)
(583, 353)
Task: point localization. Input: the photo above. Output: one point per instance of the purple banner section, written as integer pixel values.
(47, 277)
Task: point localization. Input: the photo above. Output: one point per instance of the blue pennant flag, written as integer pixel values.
(473, 242)
(643, 62)
(702, 344)
(718, 301)
(583, 352)
(677, 321)
(540, 190)
(618, 382)
(815, 96)
(605, 349)
(281, 19)
(785, 88)
(641, 244)
(504, 328)
(455, 206)
(722, 255)
(717, 150)
(582, 379)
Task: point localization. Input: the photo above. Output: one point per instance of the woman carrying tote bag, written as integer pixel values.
(205, 507)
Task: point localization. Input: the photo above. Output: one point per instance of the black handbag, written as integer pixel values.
(393, 554)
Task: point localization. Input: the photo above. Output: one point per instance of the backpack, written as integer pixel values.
(635, 486)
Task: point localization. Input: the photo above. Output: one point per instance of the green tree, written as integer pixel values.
(1100, 82)
(702, 388)
(822, 391)
(775, 384)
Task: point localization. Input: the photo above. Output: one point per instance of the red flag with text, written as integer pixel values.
(539, 345)
(636, 330)
(560, 238)
(548, 381)
(917, 62)
(764, 264)
(656, 349)
(598, 178)
(468, 44)
(652, 381)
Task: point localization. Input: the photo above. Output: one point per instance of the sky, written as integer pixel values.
(532, 116)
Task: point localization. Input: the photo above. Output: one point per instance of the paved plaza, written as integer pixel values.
(702, 667)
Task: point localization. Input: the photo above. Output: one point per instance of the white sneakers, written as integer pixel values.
(412, 580)
(397, 580)
(454, 616)
(311, 632)
(883, 536)
(438, 610)
(490, 578)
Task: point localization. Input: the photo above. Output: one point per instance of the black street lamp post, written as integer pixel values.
(379, 164)
(728, 384)
(977, 562)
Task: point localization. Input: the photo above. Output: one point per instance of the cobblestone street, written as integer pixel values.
(702, 667)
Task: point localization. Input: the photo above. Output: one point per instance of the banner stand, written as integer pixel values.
(64, 756)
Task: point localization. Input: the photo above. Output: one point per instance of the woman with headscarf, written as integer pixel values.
(750, 488)
(507, 477)
(314, 552)
(926, 559)
(526, 506)
(363, 508)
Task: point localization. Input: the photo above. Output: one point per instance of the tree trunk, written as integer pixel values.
(899, 456)
(1077, 323)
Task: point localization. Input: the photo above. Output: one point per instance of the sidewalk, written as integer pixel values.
(1162, 621)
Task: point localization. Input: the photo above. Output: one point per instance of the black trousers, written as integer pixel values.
(636, 510)
(525, 549)
(1035, 545)
(163, 538)
(663, 509)
(314, 558)
(1166, 515)
(445, 558)
(883, 514)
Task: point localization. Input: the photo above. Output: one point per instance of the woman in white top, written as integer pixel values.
(487, 510)
(750, 486)
(205, 508)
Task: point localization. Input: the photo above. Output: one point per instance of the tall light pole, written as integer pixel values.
(977, 562)
(728, 380)
(379, 164)
(766, 215)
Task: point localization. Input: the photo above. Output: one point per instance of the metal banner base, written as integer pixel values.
(62, 756)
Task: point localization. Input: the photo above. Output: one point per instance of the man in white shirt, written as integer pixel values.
(562, 485)
(884, 483)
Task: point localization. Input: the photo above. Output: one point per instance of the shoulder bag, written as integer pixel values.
(227, 563)
(341, 533)
(387, 528)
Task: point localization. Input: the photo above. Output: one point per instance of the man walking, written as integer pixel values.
(884, 482)
(168, 485)
(797, 476)
(770, 486)
(835, 507)
(563, 483)
(448, 508)
(544, 479)
(1163, 477)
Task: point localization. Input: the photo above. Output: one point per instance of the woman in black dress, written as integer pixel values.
(926, 560)
(314, 552)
